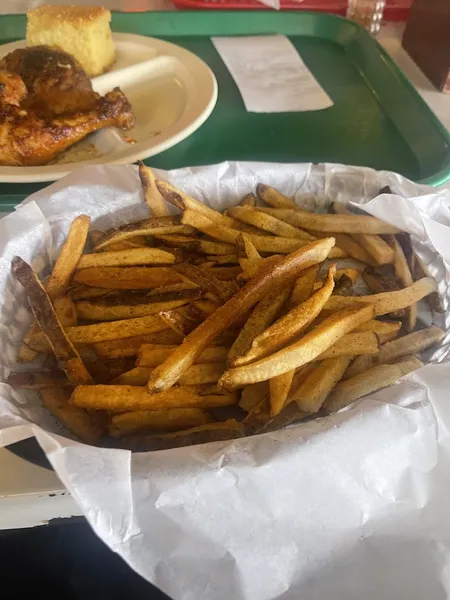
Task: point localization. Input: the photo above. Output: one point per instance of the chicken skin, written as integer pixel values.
(47, 104)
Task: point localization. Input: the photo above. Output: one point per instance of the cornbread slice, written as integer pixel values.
(82, 31)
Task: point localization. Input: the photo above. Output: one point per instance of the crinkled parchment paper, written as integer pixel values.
(352, 506)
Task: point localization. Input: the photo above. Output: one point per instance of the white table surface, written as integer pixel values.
(31, 495)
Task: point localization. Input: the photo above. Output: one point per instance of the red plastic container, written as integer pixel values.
(396, 10)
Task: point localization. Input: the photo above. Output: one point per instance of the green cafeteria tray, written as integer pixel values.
(378, 119)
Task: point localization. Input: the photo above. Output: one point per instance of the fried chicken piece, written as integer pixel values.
(12, 88)
(29, 139)
(55, 81)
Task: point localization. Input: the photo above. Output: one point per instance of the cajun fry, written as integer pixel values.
(387, 302)
(273, 197)
(68, 257)
(368, 382)
(288, 327)
(268, 223)
(153, 198)
(281, 272)
(353, 344)
(307, 349)
(76, 420)
(163, 420)
(125, 258)
(52, 331)
(122, 398)
(328, 223)
(314, 390)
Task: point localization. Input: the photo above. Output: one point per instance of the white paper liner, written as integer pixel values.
(350, 506)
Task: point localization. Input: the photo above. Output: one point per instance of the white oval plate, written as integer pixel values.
(172, 93)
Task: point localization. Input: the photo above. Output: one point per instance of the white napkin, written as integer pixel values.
(270, 74)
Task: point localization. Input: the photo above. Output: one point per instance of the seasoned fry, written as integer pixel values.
(154, 200)
(314, 390)
(211, 432)
(266, 222)
(365, 383)
(262, 316)
(147, 227)
(282, 272)
(185, 202)
(220, 290)
(152, 355)
(126, 347)
(107, 311)
(353, 344)
(280, 387)
(111, 330)
(121, 398)
(162, 420)
(125, 258)
(307, 349)
(409, 344)
(328, 223)
(387, 302)
(273, 197)
(52, 331)
(262, 243)
(254, 394)
(68, 257)
(126, 278)
(286, 329)
(385, 330)
(304, 286)
(76, 420)
(202, 373)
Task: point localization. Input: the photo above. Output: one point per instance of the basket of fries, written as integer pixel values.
(152, 311)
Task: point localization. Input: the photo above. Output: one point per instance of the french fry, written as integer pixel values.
(352, 248)
(76, 420)
(315, 389)
(139, 241)
(353, 344)
(111, 330)
(327, 223)
(126, 258)
(304, 286)
(281, 245)
(78, 291)
(147, 227)
(261, 317)
(104, 371)
(122, 398)
(202, 373)
(126, 347)
(409, 344)
(68, 257)
(136, 376)
(307, 349)
(52, 331)
(154, 200)
(385, 330)
(246, 249)
(152, 355)
(179, 321)
(268, 223)
(361, 363)
(126, 278)
(288, 327)
(105, 311)
(387, 302)
(162, 420)
(280, 273)
(254, 394)
(433, 299)
(248, 200)
(211, 432)
(273, 197)
(280, 387)
(221, 259)
(352, 274)
(220, 290)
(370, 381)
(200, 309)
(29, 380)
(404, 274)
(173, 291)
(224, 273)
(65, 311)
